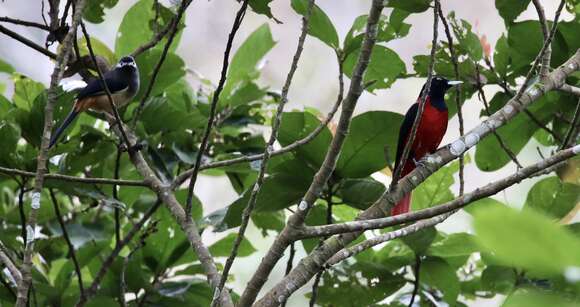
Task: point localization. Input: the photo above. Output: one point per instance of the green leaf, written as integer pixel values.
(363, 151)
(25, 91)
(526, 239)
(223, 247)
(320, 26)
(360, 193)
(439, 274)
(172, 70)
(244, 94)
(498, 279)
(316, 217)
(297, 125)
(483, 204)
(9, 135)
(384, 67)
(411, 6)
(525, 40)
(244, 62)
(420, 241)
(137, 27)
(436, 189)
(262, 7)
(389, 28)
(509, 10)
(501, 56)
(99, 48)
(525, 297)
(161, 115)
(95, 10)
(553, 197)
(6, 67)
(454, 245)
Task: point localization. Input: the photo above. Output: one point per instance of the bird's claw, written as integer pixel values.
(421, 163)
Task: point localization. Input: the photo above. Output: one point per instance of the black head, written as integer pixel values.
(440, 85)
(127, 61)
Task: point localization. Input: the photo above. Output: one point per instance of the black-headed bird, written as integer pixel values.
(430, 132)
(123, 83)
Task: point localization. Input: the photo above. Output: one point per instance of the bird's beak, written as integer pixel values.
(453, 83)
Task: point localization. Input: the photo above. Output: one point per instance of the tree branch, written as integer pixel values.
(545, 61)
(12, 268)
(61, 61)
(27, 42)
(108, 262)
(65, 178)
(570, 89)
(24, 23)
(71, 247)
(267, 150)
(457, 93)
(283, 240)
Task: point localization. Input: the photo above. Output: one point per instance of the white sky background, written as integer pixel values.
(314, 85)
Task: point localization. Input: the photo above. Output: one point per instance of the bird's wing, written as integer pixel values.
(95, 88)
(405, 130)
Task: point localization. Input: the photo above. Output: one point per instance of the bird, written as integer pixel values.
(123, 84)
(430, 131)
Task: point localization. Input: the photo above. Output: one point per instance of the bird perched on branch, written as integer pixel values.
(122, 82)
(430, 132)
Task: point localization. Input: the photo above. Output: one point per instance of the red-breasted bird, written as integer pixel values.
(123, 83)
(430, 132)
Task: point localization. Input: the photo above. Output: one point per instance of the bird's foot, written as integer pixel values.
(421, 162)
(132, 149)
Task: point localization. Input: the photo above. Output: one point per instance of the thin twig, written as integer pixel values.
(314, 296)
(108, 262)
(545, 67)
(213, 106)
(21, 192)
(268, 148)
(116, 197)
(24, 23)
(4, 258)
(457, 94)
(570, 138)
(71, 247)
(500, 141)
(421, 101)
(289, 265)
(41, 168)
(416, 283)
(65, 178)
(27, 42)
(174, 27)
(541, 54)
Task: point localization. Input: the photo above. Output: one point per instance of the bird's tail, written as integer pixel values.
(402, 206)
(67, 121)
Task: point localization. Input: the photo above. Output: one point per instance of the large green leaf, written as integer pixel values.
(363, 152)
(262, 7)
(297, 125)
(509, 10)
(412, 6)
(499, 279)
(95, 10)
(223, 247)
(25, 91)
(384, 67)
(320, 26)
(553, 197)
(360, 193)
(243, 64)
(526, 297)
(171, 71)
(527, 240)
(439, 274)
(389, 28)
(454, 245)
